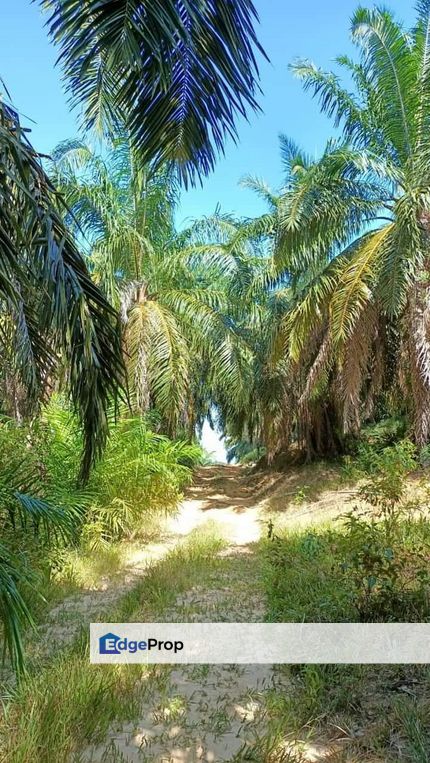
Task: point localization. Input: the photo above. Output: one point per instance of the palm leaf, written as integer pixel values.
(177, 73)
(59, 315)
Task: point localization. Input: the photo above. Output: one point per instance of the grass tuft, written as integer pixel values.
(59, 709)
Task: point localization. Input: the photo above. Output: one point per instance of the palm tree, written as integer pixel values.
(53, 318)
(55, 324)
(258, 414)
(173, 290)
(173, 74)
(353, 234)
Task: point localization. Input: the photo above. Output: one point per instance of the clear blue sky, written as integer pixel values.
(289, 28)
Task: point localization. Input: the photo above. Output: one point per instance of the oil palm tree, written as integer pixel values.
(353, 231)
(260, 296)
(53, 319)
(173, 290)
(173, 74)
(56, 327)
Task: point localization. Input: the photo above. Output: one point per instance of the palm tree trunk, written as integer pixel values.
(419, 358)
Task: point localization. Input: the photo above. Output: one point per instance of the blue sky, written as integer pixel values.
(305, 28)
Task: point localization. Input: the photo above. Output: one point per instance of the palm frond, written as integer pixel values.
(354, 286)
(59, 315)
(177, 73)
(389, 64)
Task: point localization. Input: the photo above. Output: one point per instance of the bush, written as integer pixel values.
(374, 567)
(377, 436)
(43, 509)
(141, 473)
(389, 573)
(372, 458)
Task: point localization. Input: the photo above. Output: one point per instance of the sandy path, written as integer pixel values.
(206, 713)
(219, 494)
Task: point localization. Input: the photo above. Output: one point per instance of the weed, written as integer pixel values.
(413, 723)
(390, 576)
(70, 703)
(301, 495)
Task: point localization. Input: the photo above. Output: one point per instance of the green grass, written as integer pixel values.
(302, 578)
(304, 582)
(380, 712)
(182, 568)
(413, 722)
(68, 703)
(306, 579)
(59, 709)
(84, 569)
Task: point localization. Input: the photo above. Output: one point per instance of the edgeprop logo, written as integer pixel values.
(110, 643)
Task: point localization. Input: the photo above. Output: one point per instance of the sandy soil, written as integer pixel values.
(211, 713)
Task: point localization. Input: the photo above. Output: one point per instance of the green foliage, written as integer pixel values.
(30, 525)
(52, 314)
(141, 473)
(373, 567)
(424, 456)
(303, 579)
(385, 432)
(375, 452)
(252, 456)
(300, 496)
(389, 573)
(243, 452)
(179, 295)
(174, 76)
(44, 509)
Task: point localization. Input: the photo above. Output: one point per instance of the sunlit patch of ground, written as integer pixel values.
(206, 713)
(213, 714)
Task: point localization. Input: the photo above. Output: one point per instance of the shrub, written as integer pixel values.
(141, 473)
(43, 509)
(389, 574)
(374, 567)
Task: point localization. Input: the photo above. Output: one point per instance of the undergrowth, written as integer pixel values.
(52, 526)
(69, 704)
(371, 565)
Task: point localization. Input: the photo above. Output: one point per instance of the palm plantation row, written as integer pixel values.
(173, 77)
(313, 317)
(291, 330)
(311, 320)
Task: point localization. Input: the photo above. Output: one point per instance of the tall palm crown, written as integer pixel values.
(353, 228)
(173, 290)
